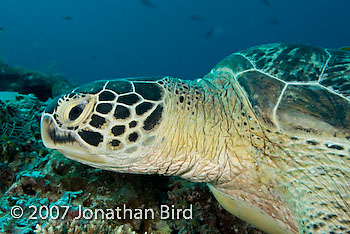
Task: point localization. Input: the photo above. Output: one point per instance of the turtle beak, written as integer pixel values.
(66, 143)
(51, 135)
(47, 126)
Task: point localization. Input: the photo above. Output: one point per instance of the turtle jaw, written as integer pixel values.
(52, 136)
(98, 161)
(67, 143)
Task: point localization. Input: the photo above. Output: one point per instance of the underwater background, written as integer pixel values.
(48, 47)
(87, 40)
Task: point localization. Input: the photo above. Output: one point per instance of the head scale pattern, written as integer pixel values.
(118, 115)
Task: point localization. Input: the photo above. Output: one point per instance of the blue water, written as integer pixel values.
(86, 40)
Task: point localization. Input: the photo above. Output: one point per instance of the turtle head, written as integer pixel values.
(106, 124)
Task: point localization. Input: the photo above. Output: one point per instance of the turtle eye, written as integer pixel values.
(75, 112)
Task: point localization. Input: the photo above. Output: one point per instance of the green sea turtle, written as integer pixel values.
(268, 129)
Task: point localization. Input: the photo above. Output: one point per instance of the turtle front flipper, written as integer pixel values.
(316, 188)
(308, 194)
(251, 214)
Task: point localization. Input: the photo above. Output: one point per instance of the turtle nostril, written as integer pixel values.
(75, 112)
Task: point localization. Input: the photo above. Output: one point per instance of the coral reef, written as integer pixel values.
(27, 81)
(95, 227)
